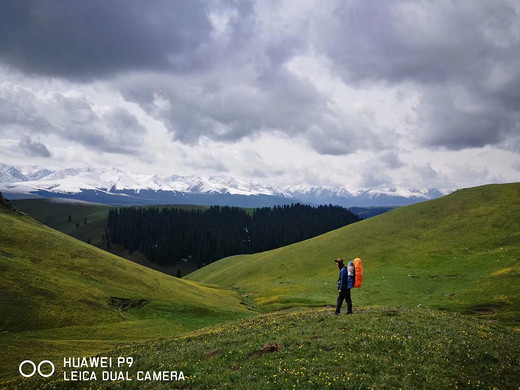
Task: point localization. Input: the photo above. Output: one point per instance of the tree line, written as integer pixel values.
(169, 235)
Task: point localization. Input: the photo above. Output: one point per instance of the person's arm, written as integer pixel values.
(342, 278)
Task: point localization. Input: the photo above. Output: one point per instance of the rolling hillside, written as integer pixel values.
(55, 213)
(459, 252)
(378, 348)
(59, 294)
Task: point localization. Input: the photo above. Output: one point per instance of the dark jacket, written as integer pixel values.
(345, 281)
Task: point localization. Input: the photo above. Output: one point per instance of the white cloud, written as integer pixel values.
(416, 94)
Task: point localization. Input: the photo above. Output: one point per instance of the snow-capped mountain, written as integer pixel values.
(9, 174)
(363, 197)
(113, 186)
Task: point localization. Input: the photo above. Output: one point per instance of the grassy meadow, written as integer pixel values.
(56, 295)
(55, 214)
(377, 348)
(459, 253)
(439, 307)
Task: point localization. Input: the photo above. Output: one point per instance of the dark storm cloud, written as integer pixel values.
(34, 148)
(390, 159)
(220, 70)
(19, 108)
(70, 117)
(115, 131)
(226, 108)
(96, 38)
(458, 57)
(463, 58)
(120, 120)
(458, 120)
(426, 42)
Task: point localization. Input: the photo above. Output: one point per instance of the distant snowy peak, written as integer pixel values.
(112, 181)
(9, 174)
(240, 187)
(39, 174)
(76, 180)
(320, 190)
(348, 192)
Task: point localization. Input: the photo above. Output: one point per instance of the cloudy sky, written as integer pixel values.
(359, 92)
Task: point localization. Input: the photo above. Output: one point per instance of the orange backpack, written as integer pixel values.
(358, 273)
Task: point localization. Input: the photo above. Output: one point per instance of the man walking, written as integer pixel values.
(345, 283)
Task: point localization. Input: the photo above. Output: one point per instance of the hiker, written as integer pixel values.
(345, 283)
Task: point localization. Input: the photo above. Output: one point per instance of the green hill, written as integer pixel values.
(59, 295)
(69, 216)
(459, 252)
(377, 348)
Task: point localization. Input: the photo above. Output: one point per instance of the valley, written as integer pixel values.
(439, 296)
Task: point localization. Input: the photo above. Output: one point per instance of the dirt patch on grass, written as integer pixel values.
(213, 353)
(248, 294)
(486, 310)
(127, 303)
(268, 348)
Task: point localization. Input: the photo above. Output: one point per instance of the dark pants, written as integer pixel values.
(344, 295)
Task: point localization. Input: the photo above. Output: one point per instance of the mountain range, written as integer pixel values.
(115, 187)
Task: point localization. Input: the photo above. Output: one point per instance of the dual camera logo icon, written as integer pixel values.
(36, 368)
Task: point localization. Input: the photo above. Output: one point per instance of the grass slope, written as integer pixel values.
(459, 252)
(55, 214)
(377, 348)
(55, 293)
